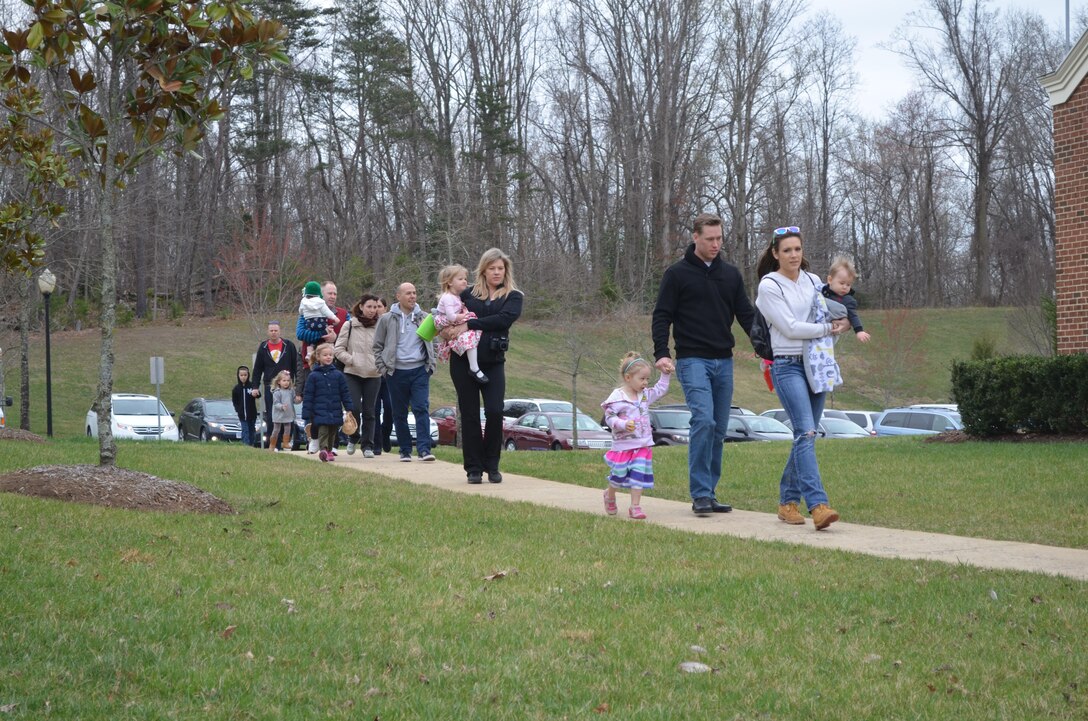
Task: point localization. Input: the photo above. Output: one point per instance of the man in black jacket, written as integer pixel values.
(699, 297)
(273, 355)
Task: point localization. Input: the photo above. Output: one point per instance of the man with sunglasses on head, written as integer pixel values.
(700, 295)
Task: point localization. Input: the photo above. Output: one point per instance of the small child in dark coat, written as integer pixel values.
(244, 396)
(840, 279)
(324, 400)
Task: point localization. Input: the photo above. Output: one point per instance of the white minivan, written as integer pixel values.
(136, 416)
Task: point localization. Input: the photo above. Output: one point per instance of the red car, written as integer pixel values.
(445, 417)
(544, 431)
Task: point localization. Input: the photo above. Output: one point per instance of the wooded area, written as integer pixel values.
(581, 137)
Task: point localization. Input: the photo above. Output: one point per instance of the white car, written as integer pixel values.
(136, 416)
(412, 429)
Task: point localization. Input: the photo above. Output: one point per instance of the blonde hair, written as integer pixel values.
(279, 377)
(447, 275)
(629, 362)
(842, 263)
(479, 288)
(323, 346)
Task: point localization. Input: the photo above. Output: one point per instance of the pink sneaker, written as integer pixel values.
(636, 513)
(609, 504)
(324, 456)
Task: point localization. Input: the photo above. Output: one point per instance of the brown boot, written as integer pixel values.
(823, 516)
(788, 512)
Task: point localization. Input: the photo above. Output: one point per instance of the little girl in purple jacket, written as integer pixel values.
(627, 413)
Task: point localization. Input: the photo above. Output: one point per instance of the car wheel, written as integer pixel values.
(203, 434)
(511, 446)
(557, 446)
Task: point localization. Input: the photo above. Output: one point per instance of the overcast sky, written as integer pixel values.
(883, 79)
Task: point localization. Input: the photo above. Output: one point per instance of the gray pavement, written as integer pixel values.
(870, 540)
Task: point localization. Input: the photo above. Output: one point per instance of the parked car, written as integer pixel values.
(735, 410)
(670, 425)
(555, 431)
(865, 419)
(837, 428)
(411, 428)
(136, 416)
(209, 419)
(755, 428)
(514, 408)
(446, 419)
(917, 421)
(781, 416)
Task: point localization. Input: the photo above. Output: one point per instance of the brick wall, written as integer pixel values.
(1071, 211)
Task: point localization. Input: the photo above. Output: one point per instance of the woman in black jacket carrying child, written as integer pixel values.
(496, 301)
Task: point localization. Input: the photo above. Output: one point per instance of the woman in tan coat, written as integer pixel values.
(355, 349)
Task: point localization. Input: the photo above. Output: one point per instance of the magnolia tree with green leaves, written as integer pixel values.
(116, 82)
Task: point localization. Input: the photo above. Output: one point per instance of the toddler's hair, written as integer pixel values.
(447, 274)
(630, 362)
(842, 263)
(279, 377)
(323, 346)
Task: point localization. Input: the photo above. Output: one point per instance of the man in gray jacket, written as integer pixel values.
(407, 362)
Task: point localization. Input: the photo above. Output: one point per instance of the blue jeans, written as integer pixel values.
(411, 387)
(249, 430)
(708, 390)
(801, 476)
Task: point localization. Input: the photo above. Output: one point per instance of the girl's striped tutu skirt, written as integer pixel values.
(631, 469)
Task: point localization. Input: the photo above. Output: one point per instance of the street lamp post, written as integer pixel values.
(47, 282)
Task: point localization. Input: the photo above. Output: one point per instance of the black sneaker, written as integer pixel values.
(494, 477)
(475, 478)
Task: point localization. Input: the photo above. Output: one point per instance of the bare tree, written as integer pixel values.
(976, 62)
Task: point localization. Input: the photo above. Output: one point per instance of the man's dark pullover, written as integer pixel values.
(700, 303)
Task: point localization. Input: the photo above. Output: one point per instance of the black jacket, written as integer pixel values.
(494, 318)
(700, 302)
(245, 405)
(265, 369)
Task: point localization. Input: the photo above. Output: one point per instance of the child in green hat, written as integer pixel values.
(315, 313)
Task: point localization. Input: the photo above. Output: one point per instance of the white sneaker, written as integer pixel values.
(429, 457)
(311, 447)
(351, 448)
(368, 453)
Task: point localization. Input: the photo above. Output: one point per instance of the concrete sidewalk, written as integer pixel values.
(886, 542)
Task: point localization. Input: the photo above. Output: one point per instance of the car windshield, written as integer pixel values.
(674, 419)
(763, 424)
(139, 407)
(585, 423)
(838, 425)
(220, 408)
(556, 407)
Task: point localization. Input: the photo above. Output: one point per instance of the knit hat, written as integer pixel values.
(312, 288)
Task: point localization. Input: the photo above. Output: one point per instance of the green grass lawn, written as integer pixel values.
(1032, 492)
(337, 594)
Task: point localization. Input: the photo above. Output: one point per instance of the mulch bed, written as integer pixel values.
(112, 487)
(18, 434)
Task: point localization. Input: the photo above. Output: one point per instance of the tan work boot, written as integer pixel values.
(788, 512)
(823, 516)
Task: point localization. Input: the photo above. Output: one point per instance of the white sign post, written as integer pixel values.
(158, 377)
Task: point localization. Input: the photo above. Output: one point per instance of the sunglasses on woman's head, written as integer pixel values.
(787, 230)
